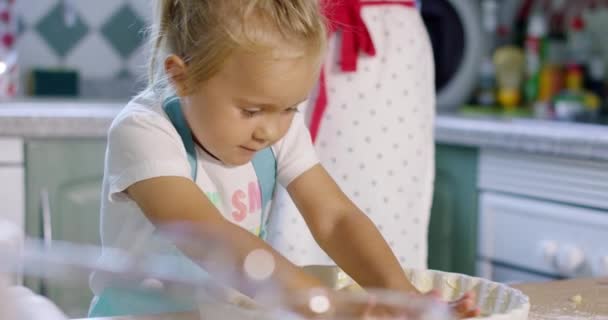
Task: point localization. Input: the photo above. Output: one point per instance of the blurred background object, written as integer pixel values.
(455, 31)
(9, 70)
(565, 56)
(89, 49)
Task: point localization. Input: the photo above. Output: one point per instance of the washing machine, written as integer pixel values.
(456, 33)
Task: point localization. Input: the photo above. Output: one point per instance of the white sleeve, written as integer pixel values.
(142, 144)
(295, 153)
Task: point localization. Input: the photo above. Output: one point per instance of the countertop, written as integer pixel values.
(50, 118)
(550, 300)
(553, 300)
(57, 118)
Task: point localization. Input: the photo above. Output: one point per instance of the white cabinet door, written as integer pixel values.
(541, 236)
(12, 184)
(12, 193)
(11, 151)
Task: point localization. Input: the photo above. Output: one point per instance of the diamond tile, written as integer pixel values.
(34, 52)
(124, 31)
(138, 62)
(124, 74)
(58, 35)
(33, 10)
(144, 8)
(96, 12)
(94, 58)
(21, 25)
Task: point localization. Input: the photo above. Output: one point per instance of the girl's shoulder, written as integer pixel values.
(142, 117)
(294, 153)
(144, 108)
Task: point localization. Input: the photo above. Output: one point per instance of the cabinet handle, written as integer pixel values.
(47, 230)
(569, 259)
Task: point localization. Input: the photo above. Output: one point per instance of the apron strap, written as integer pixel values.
(345, 16)
(114, 302)
(265, 166)
(173, 109)
(264, 162)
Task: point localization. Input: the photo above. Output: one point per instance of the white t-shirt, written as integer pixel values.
(142, 144)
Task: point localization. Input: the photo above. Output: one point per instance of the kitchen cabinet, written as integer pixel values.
(453, 225)
(63, 179)
(542, 217)
(12, 188)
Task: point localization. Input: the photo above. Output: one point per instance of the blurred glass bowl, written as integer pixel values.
(321, 304)
(350, 305)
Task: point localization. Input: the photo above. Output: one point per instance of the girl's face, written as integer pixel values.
(249, 104)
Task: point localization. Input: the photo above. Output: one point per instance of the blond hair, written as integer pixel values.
(204, 33)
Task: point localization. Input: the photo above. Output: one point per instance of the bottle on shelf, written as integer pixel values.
(486, 86)
(509, 62)
(579, 43)
(533, 46)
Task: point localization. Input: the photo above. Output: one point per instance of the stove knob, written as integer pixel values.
(569, 259)
(602, 266)
(548, 250)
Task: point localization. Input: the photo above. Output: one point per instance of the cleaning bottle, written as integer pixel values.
(509, 61)
(537, 30)
(579, 44)
(569, 104)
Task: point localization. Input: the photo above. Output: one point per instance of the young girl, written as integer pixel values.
(203, 145)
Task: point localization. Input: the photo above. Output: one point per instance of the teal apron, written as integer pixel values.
(115, 301)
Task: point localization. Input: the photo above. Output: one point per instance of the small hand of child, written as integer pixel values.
(374, 311)
(464, 307)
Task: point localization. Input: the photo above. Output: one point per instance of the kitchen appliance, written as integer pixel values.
(455, 30)
(542, 218)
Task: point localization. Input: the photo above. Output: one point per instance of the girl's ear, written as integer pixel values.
(176, 69)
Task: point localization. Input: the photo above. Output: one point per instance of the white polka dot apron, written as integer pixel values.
(375, 138)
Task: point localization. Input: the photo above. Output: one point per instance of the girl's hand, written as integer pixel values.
(464, 307)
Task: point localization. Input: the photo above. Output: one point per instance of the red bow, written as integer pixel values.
(345, 16)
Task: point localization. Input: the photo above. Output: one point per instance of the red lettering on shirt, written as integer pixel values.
(240, 211)
(255, 198)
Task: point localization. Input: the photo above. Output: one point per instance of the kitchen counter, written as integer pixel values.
(50, 118)
(550, 300)
(578, 140)
(76, 118)
(554, 300)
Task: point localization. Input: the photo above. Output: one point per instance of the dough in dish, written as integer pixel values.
(577, 299)
(497, 301)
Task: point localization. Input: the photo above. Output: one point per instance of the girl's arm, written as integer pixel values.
(352, 240)
(345, 233)
(179, 204)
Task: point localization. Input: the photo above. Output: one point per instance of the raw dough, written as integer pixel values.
(577, 299)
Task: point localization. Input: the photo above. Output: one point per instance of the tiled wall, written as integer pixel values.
(102, 39)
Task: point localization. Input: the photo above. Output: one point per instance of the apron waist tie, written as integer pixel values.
(345, 16)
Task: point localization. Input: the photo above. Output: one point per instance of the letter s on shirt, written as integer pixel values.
(240, 209)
